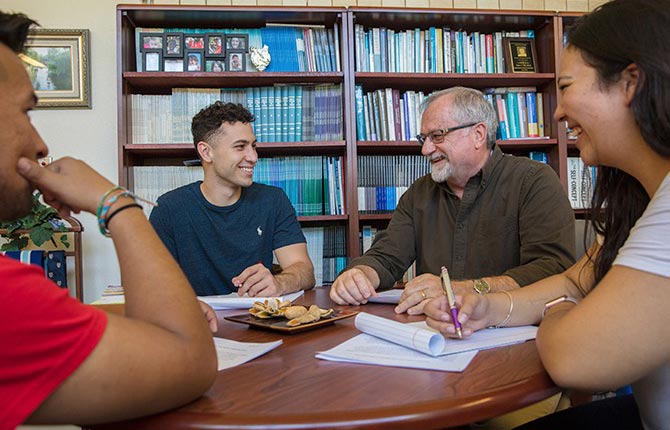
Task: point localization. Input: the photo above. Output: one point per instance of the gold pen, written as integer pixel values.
(446, 286)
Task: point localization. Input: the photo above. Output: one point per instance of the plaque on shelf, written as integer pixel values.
(520, 55)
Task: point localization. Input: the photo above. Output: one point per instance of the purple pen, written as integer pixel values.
(446, 286)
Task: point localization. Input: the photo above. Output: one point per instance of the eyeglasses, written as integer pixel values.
(437, 136)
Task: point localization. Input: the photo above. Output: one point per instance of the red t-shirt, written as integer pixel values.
(44, 336)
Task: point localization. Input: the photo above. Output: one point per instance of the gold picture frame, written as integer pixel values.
(520, 55)
(57, 61)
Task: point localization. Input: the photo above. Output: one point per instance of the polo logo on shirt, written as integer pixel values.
(259, 231)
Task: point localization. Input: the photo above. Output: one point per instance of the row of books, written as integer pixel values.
(291, 48)
(284, 113)
(432, 50)
(367, 237)
(302, 49)
(294, 113)
(386, 114)
(581, 183)
(520, 111)
(327, 248)
(383, 179)
(314, 185)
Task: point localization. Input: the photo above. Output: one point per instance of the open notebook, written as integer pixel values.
(390, 343)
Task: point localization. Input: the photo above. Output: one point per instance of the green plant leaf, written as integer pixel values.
(40, 234)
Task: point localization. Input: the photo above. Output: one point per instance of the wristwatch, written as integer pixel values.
(557, 300)
(481, 286)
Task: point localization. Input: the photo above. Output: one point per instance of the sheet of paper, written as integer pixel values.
(367, 349)
(231, 353)
(390, 296)
(235, 301)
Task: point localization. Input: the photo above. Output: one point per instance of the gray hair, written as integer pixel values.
(471, 106)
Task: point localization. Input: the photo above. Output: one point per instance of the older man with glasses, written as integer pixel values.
(496, 221)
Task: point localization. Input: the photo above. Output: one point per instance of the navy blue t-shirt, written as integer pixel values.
(213, 244)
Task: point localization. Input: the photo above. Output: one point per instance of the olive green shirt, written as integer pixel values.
(514, 219)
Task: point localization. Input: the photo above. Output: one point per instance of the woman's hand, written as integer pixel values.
(472, 314)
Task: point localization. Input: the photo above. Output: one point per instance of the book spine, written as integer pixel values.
(540, 115)
(531, 107)
(512, 115)
(522, 114)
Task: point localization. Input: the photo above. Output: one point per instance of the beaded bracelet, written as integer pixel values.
(106, 202)
(104, 208)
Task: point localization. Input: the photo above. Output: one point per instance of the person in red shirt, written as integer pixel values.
(65, 362)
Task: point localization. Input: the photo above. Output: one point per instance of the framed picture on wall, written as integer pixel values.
(174, 45)
(194, 60)
(57, 63)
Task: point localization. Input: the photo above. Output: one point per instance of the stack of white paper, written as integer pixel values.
(235, 301)
(415, 345)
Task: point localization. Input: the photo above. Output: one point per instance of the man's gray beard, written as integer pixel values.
(440, 175)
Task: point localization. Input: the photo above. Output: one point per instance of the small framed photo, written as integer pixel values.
(215, 65)
(194, 41)
(237, 42)
(173, 64)
(215, 46)
(152, 60)
(174, 45)
(236, 61)
(520, 55)
(194, 60)
(151, 41)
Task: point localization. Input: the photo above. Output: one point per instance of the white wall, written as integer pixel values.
(86, 134)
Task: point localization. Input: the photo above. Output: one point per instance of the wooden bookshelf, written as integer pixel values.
(548, 27)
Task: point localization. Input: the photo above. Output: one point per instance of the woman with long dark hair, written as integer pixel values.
(605, 322)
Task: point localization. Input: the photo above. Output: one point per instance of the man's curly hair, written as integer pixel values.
(207, 122)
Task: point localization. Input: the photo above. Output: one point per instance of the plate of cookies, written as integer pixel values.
(270, 314)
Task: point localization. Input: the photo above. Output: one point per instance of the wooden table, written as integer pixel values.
(289, 388)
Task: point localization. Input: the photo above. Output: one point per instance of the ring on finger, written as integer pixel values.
(423, 294)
